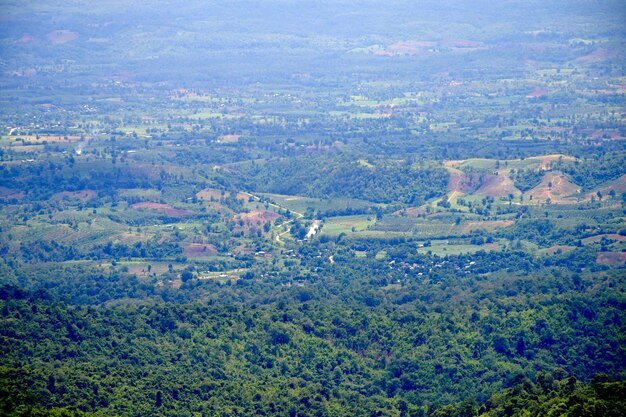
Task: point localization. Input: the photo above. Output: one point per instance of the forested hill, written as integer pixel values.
(330, 208)
(345, 345)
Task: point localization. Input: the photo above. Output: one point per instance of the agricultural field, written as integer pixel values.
(284, 208)
(346, 224)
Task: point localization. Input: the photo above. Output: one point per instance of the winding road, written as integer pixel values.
(300, 215)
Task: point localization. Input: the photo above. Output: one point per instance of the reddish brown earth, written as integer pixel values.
(611, 258)
(561, 188)
(197, 250)
(497, 186)
(537, 92)
(603, 133)
(165, 208)
(461, 182)
(10, 194)
(262, 216)
(598, 238)
(83, 195)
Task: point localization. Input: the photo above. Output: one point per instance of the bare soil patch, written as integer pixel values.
(497, 186)
(10, 193)
(538, 92)
(83, 195)
(197, 250)
(598, 238)
(462, 183)
(260, 216)
(611, 258)
(554, 186)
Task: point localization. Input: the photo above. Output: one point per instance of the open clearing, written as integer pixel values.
(210, 194)
(555, 250)
(554, 186)
(611, 258)
(497, 186)
(300, 204)
(83, 195)
(199, 250)
(346, 224)
(257, 217)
